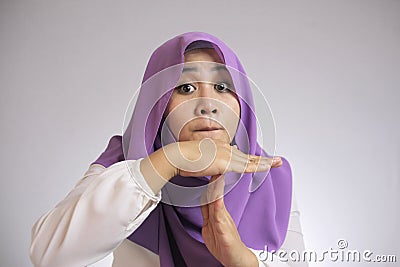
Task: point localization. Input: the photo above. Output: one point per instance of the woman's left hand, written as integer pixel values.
(219, 231)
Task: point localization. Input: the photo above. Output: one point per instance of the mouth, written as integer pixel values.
(208, 129)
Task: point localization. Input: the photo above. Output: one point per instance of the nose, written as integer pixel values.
(206, 105)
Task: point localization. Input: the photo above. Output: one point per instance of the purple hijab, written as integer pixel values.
(258, 203)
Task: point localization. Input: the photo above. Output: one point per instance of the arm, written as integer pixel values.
(105, 207)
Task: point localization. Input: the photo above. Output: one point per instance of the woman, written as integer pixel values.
(187, 184)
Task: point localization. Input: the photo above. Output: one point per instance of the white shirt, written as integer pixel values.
(90, 225)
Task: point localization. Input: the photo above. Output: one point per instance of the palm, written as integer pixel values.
(219, 231)
(219, 241)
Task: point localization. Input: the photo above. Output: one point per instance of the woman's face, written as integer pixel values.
(204, 103)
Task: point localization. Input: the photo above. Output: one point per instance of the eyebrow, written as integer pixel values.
(216, 68)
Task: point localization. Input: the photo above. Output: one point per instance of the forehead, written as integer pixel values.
(201, 61)
(203, 54)
(203, 66)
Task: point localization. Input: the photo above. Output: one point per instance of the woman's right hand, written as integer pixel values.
(197, 158)
(209, 157)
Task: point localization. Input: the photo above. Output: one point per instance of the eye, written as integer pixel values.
(186, 88)
(222, 86)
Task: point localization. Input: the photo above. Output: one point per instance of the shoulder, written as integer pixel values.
(112, 154)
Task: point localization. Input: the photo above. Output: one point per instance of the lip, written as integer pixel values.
(208, 129)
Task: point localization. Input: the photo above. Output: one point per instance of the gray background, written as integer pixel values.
(329, 69)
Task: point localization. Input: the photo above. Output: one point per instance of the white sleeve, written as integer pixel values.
(104, 208)
(293, 241)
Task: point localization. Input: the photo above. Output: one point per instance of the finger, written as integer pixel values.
(205, 214)
(276, 162)
(215, 188)
(210, 189)
(218, 210)
(249, 160)
(219, 185)
(264, 163)
(241, 162)
(268, 163)
(249, 164)
(208, 208)
(204, 207)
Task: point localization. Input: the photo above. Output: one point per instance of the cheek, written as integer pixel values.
(231, 116)
(234, 106)
(176, 116)
(172, 103)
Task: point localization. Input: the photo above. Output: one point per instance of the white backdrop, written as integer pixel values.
(329, 69)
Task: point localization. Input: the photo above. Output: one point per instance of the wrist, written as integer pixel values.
(157, 170)
(169, 170)
(246, 258)
(249, 258)
(252, 259)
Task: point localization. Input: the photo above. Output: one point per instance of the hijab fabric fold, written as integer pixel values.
(258, 203)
